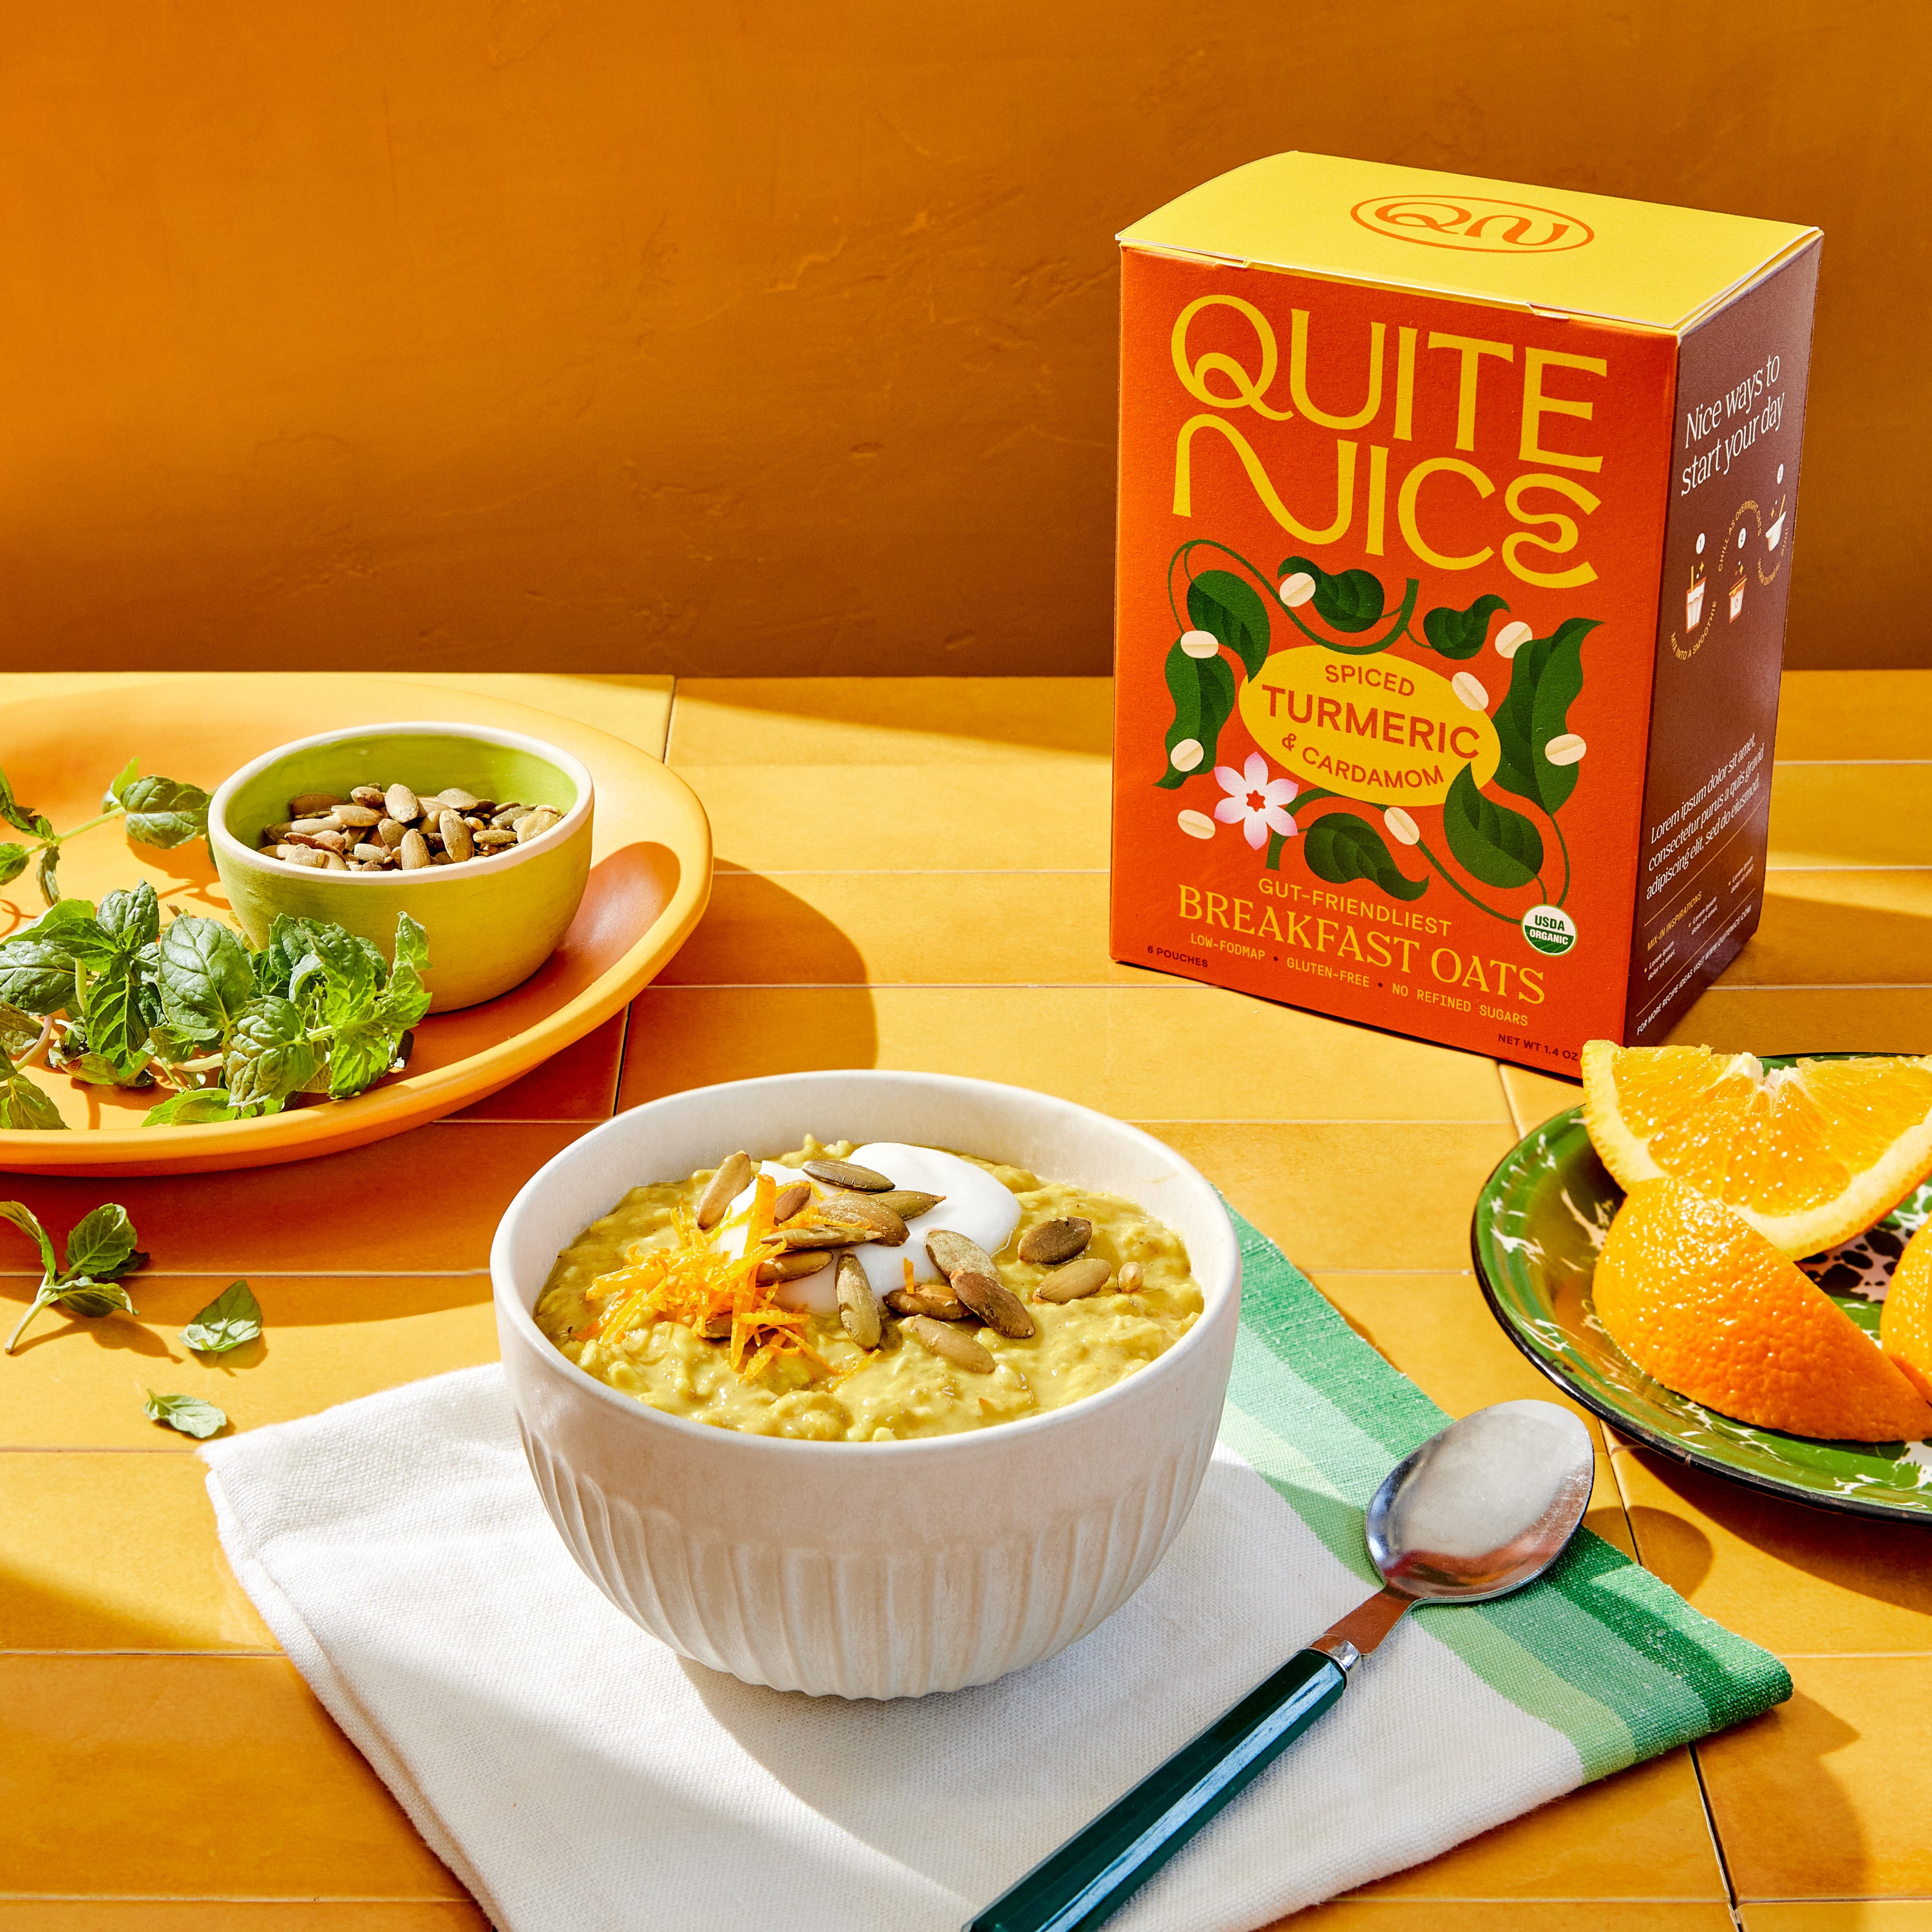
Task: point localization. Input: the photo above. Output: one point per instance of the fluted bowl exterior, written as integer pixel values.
(872, 1569)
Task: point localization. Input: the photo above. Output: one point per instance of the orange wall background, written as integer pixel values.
(780, 336)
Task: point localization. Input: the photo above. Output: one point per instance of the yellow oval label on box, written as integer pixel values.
(1378, 728)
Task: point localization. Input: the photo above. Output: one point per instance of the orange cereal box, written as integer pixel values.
(1456, 526)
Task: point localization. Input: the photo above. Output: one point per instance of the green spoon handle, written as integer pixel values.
(1098, 1869)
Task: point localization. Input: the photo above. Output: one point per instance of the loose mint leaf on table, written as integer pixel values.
(1546, 676)
(195, 1109)
(1230, 609)
(1340, 848)
(160, 812)
(204, 977)
(1203, 691)
(102, 1244)
(12, 863)
(269, 1055)
(24, 1218)
(1461, 634)
(188, 1413)
(232, 1317)
(1499, 846)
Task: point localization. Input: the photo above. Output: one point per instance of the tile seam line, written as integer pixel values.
(235, 1898)
(130, 1651)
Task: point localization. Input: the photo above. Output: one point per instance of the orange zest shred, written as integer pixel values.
(693, 1283)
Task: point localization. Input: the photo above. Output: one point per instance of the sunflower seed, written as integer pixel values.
(789, 1267)
(538, 822)
(455, 836)
(723, 1188)
(372, 855)
(355, 817)
(885, 1226)
(848, 1174)
(391, 832)
(789, 1200)
(952, 1252)
(824, 1234)
(490, 841)
(308, 825)
(301, 855)
(925, 1297)
(993, 1302)
(414, 851)
(457, 799)
(372, 796)
(908, 1203)
(961, 1350)
(404, 807)
(1053, 1242)
(313, 804)
(1076, 1279)
(858, 1305)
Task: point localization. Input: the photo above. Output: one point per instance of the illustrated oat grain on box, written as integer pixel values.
(1457, 520)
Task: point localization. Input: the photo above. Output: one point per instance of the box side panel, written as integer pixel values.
(1346, 799)
(1720, 642)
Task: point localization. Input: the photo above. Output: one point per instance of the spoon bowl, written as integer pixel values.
(1484, 1506)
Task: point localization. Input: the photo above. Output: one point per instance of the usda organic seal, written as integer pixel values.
(1549, 928)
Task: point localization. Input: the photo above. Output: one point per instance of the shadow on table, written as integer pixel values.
(1888, 1562)
(783, 990)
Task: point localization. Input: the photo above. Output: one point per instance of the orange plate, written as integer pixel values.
(650, 877)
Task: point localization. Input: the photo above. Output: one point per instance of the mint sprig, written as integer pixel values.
(100, 1248)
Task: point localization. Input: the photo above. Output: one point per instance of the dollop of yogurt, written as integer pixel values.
(976, 1205)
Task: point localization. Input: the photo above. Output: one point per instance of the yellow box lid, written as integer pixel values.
(1496, 241)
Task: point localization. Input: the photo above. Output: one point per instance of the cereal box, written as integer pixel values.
(1456, 527)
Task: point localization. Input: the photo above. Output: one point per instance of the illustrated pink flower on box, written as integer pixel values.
(1255, 802)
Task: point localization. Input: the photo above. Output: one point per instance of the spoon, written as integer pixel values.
(1483, 1507)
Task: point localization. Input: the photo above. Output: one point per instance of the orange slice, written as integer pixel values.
(1905, 1327)
(1810, 1155)
(1702, 1302)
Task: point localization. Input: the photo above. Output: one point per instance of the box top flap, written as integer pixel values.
(1498, 241)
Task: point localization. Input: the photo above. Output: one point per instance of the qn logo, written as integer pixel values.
(1473, 225)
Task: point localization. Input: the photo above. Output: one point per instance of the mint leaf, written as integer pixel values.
(111, 796)
(411, 944)
(12, 863)
(24, 1218)
(46, 863)
(1203, 691)
(232, 1317)
(204, 977)
(19, 1033)
(193, 1109)
(1499, 846)
(22, 817)
(1461, 634)
(1340, 848)
(188, 1413)
(115, 1030)
(162, 812)
(269, 1055)
(131, 919)
(359, 1056)
(101, 1245)
(1231, 610)
(1546, 676)
(36, 975)
(92, 1299)
(24, 1107)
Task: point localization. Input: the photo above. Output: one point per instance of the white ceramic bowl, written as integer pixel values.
(867, 1569)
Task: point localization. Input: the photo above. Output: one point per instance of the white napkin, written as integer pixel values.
(578, 1777)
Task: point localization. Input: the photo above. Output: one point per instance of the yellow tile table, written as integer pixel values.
(912, 873)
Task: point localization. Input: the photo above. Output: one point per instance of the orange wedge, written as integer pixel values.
(1905, 1327)
(1702, 1302)
(1810, 1155)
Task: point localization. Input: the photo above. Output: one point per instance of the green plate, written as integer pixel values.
(1540, 1223)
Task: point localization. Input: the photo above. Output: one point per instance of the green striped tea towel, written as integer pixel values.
(579, 1777)
(1598, 1649)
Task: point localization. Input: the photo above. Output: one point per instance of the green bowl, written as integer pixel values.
(1539, 1226)
(489, 924)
